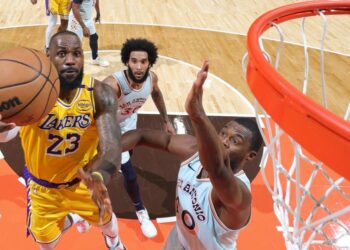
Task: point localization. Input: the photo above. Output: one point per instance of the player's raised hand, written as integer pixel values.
(99, 192)
(193, 104)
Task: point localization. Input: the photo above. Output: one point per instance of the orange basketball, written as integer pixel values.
(29, 85)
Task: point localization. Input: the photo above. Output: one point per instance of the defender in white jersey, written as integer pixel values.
(82, 23)
(213, 199)
(133, 86)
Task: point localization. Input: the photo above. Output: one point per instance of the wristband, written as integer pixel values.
(98, 174)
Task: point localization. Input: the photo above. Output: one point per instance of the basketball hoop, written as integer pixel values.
(313, 133)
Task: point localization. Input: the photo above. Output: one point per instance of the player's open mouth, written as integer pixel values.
(69, 71)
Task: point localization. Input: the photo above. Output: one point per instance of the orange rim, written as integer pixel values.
(318, 130)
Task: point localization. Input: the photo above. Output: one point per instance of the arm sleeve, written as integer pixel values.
(9, 135)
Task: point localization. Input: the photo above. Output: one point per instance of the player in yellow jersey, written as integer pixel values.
(58, 147)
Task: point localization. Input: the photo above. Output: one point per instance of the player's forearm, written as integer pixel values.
(131, 139)
(106, 165)
(109, 152)
(158, 100)
(75, 9)
(209, 147)
(108, 158)
(145, 137)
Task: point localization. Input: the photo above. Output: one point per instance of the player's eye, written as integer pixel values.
(61, 53)
(233, 140)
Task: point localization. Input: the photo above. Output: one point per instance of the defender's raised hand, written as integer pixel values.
(193, 104)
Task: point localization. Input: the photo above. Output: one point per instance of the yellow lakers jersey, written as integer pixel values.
(63, 141)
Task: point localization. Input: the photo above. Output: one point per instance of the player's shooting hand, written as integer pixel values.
(193, 104)
(99, 192)
(6, 126)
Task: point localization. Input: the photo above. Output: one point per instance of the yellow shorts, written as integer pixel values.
(48, 208)
(59, 7)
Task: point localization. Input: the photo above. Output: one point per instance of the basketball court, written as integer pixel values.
(186, 32)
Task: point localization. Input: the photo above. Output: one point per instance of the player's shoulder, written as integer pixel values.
(104, 94)
(101, 86)
(153, 76)
(111, 80)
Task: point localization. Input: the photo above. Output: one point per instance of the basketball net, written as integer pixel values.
(311, 202)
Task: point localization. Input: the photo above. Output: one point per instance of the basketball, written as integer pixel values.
(29, 85)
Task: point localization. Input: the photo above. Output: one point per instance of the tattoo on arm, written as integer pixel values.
(108, 157)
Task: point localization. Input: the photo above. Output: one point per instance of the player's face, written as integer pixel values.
(138, 66)
(67, 55)
(236, 140)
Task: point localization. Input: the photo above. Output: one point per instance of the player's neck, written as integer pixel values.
(135, 85)
(203, 174)
(132, 84)
(67, 95)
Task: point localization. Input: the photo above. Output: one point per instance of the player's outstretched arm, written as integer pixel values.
(107, 160)
(183, 146)
(230, 191)
(98, 15)
(109, 153)
(158, 100)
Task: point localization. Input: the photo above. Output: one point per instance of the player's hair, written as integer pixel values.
(139, 44)
(65, 32)
(251, 124)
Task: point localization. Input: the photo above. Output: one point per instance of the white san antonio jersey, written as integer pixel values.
(130, 99)
(86, 9)
(198, 225)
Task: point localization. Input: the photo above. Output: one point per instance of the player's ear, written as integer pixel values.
(251, 155)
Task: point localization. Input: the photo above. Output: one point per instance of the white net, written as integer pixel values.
(311, 202)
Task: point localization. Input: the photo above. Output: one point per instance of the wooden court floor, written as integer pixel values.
(186, 32)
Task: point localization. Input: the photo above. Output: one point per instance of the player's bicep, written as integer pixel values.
(183, 146)
(113, 83)
(155, 88)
